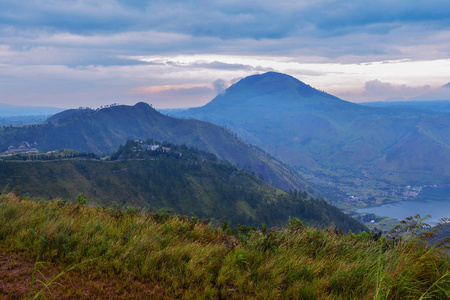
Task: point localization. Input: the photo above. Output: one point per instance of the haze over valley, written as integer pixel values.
(356, 155)
(351, 154)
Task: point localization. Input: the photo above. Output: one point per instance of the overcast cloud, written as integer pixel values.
(71, 53)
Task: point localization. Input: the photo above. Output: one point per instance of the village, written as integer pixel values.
(24, 148)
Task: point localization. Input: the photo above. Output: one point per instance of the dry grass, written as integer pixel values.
(157, 255)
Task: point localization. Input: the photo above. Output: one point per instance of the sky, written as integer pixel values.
(72, 53)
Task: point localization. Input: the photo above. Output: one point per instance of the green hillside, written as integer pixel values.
(185, 180)
(49, 249)
(102, 131)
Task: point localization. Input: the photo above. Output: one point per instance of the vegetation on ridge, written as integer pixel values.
(134, 254)
(103, 131)
(184, 180)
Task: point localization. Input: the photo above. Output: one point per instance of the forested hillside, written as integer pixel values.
(184, 180)
(102, 131)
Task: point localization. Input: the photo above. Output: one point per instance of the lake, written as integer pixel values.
(431, 201)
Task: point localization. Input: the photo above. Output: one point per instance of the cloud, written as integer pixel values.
(87, 51)
(221, 65)
(352, 30)
(376, 90)
(385, 89)
(441, 93)
(220, 86)
(168, 88)
(225, 19)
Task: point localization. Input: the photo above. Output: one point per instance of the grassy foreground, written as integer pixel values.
(119, 253)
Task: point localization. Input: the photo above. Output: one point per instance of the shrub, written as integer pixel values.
(81, 200)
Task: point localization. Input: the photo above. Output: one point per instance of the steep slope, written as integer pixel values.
(102, 131)
(310, 130)
(127, 254)
(186, 181)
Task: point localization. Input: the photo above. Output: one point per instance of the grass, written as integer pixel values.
(47, 282)
(148, 254)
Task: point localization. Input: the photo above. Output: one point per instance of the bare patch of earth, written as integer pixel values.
(16, 273)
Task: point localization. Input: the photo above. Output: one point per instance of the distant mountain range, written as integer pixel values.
(8, 110)
(23, 120)
(441, 106)
(319, 133)
(102, 131)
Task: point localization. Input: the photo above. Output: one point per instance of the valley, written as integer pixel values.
(353, 155)
(349, 192)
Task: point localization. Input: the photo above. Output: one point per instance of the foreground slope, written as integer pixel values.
(310, 130)
(110, 253)
(186, 181)
(102, 131)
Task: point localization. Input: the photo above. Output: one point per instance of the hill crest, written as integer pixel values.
(273, 88)
(102, 131)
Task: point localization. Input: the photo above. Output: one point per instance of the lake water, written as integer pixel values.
(431, 201)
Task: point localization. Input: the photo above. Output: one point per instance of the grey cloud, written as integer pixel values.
(376, 86)
(220, 86)
(195, 91)
(326, 28)
(225, 19)
(442, 93)
(222, 66)
(189, 97)
(304, 72)
(262, 69)
(226, 66)
(376, 90)
(81, 34)
(235, 80)
(344, 16)
(388, 91)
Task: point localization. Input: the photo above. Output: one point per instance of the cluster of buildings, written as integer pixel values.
(150, 147)
(153, 147)
(25, 148)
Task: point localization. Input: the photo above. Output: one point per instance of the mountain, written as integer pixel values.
(8, 110)
(102, 131)
(157, 175)
(23, 120)
(332, 139)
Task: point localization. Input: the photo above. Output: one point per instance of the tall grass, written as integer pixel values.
(189, 258)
